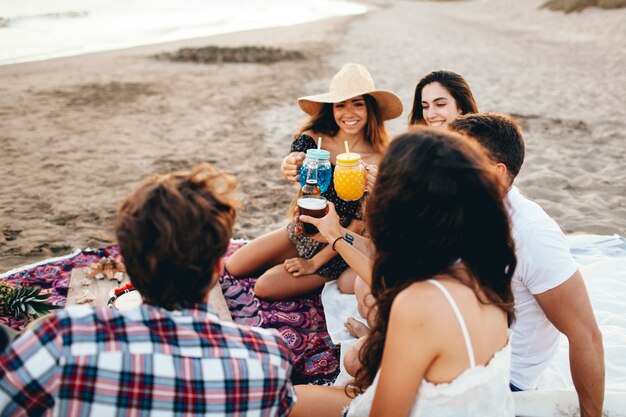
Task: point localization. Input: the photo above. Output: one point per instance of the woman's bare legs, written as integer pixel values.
(355, 328)
(366, 309)
(261, 254)
(365, 302)
(266, 255)
(351, 360)
(364, 299)
(345, 282)
(278, 284)
(318, 401)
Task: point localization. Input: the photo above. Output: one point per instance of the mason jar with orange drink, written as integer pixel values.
(350, 176)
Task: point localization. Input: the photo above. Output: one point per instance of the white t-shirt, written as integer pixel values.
(543, 262)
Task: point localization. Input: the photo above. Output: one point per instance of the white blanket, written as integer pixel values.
(602, 261)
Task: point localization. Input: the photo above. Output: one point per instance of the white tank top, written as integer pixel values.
(478, 391)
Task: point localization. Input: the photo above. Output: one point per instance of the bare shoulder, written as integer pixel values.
(416, 315)
(417, 300)
(315, 135)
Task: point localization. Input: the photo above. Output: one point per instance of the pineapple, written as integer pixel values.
(5, 292)
(23, 302)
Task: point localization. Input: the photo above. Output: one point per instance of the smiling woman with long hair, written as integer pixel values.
(440, 97)
(441, 280)
(353, 112)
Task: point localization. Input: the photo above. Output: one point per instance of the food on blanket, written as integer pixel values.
(84, 297)
(109, 268)
(125, 297)
(123, 288)
(23, 302)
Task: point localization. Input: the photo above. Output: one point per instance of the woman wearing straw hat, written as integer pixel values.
(352, 111)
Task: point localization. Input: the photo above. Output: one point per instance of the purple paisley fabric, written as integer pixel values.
(300, 321)
(54, 277)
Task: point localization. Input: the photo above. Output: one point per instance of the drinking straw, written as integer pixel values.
(319, 143)
(345, 142)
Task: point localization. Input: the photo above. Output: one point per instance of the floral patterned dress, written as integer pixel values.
(347, 211)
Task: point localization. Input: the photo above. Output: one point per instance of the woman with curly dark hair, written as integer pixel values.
(441, 280)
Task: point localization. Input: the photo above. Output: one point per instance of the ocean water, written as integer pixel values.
(32, 30)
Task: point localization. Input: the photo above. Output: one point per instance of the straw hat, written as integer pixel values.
(351, 81)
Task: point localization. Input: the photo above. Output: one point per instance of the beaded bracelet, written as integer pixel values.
(335, 241)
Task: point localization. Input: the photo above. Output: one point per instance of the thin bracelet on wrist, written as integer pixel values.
(335, 241)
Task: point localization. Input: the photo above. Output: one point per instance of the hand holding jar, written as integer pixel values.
(371, 174)
(290, 167)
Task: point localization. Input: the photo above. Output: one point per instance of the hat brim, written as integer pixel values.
(390, 105)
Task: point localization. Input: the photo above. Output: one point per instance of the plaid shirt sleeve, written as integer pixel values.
(270, 345)
(287, 400)
(29, 371)
(288, 395)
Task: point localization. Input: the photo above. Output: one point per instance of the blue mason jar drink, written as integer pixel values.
(324, 171)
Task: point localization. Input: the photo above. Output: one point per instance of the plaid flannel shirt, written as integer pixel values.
(146, 361)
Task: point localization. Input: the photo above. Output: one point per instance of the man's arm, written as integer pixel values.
(29, 370)
(567, 306)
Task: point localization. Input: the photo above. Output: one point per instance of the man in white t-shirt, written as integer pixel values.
(550, 294)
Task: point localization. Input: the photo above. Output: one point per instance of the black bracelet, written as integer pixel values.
(335, 241)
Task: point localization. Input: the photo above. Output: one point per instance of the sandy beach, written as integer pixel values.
(79, 133)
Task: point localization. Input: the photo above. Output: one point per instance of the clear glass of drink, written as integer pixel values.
(314, 206)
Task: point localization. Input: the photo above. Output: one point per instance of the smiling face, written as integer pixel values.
(351, 115)
(438, 107)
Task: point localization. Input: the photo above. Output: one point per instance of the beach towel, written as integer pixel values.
(602, 261)
(53, 276)
(301, 322)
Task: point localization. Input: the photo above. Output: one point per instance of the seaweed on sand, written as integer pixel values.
(242, 54)
(569, 6)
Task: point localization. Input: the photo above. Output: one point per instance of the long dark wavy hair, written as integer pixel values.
(451, 81)
(375, 131)
(435, 201)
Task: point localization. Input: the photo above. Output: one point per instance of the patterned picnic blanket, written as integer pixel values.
(300, 321)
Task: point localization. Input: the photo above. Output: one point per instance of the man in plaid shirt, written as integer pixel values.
(169, 356)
